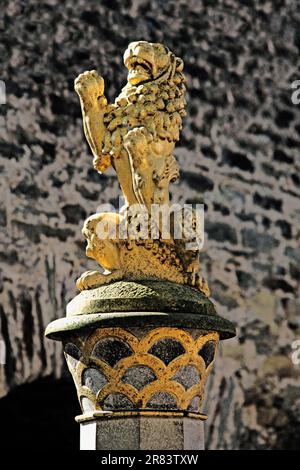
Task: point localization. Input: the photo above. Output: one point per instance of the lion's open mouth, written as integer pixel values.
(136, 61)
(140, 70)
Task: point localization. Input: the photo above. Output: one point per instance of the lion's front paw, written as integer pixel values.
(89, 280)
(89, 86)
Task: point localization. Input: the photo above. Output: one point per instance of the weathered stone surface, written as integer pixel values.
(142, 433)
(112, 435)
(140, 302)
(240, 61)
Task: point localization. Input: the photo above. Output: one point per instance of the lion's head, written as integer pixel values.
(147, 61)
(153, 97)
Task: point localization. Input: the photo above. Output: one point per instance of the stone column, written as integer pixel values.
(141, 337)
(140, 353)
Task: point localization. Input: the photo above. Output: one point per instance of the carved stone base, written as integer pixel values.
(141, 369)
(138, 303)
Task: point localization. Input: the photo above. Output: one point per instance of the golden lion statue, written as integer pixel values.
(136, 136)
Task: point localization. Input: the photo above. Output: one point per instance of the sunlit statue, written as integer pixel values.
(136, 135)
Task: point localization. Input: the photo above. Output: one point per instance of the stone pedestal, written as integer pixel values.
(140, 353)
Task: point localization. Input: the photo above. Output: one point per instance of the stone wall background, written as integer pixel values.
(239, 153)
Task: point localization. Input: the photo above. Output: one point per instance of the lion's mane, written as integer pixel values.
(157, 105)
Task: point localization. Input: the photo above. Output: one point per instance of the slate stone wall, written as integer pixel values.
(239, 154)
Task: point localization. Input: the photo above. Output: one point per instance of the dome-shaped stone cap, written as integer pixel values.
(137, 303)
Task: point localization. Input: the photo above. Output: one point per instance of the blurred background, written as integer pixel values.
(239, 154)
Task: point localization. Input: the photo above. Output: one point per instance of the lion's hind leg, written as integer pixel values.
(136, 142)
